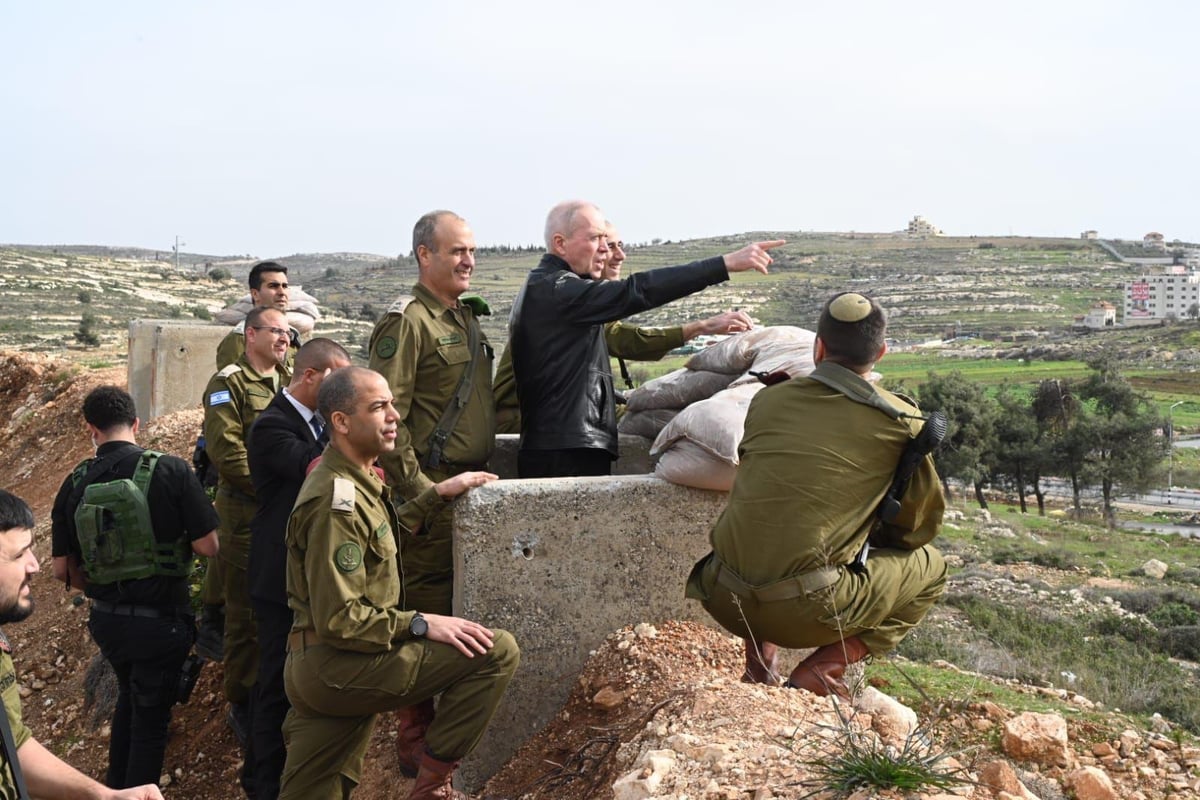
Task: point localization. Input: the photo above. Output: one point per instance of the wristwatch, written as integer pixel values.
(418, 626)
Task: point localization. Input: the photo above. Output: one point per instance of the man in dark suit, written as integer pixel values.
(285, 438)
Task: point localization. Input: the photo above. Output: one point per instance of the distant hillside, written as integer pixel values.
(994, 287)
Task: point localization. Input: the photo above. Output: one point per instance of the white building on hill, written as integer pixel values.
(1173, 293)
(1101, 315)
(919, 226)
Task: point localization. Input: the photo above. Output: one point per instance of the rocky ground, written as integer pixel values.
(658, 711)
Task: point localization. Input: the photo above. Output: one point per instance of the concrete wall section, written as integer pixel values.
(170, 363)
(561, 563)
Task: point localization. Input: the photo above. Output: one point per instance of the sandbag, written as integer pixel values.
(677, 389)
(782, 348)
(732, 355)
(646, 423)
(689, 464)
(302, 310)
(715, 424)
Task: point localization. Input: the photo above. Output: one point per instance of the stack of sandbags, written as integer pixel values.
(302, 311)
(699, 446)
(655, 403)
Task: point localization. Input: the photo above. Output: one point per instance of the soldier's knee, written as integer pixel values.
(505, 651)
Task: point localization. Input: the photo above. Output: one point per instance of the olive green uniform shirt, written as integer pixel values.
(11, 693)
(233, 399)
(814, 467)
(343, 578)
(624, 341)
(420, 347)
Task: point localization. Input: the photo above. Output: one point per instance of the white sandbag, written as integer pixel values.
(302, 310)
(646, 423)
(689, 464)
(781, 348)
(715, 424)
(733, 354)
(677, 389)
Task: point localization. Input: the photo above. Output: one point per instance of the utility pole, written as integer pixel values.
(177, 246)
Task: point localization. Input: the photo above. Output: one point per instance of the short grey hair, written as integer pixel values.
(561, 219)
(426, 227)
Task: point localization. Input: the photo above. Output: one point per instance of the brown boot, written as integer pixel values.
(410, 741)
(433, 781)
(761, 663)
(821, 673)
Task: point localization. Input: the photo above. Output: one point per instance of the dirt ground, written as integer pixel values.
(657, 706)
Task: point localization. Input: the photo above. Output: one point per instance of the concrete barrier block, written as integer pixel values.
(170, 362)
(561, 563)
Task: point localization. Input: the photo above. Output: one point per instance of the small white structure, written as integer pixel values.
(1154, 241)
(1090, 235)
(1101, 315)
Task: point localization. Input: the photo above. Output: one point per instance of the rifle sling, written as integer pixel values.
(458, 402)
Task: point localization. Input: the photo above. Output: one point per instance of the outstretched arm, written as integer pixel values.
(51, 778)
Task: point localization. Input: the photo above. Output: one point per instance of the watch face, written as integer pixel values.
(419, 626)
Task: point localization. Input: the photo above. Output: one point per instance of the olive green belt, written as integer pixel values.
(299, 640)
(785, 589)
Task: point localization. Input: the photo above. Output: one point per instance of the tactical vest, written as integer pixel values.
(116, 536)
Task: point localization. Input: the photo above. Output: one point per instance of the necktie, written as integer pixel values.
(317, 426)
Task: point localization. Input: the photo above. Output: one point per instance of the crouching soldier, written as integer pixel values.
(125, 526)
(353, 651)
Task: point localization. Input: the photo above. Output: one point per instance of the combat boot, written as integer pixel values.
(761, 663)
(821, 673)
(433, 781)
(410, 741)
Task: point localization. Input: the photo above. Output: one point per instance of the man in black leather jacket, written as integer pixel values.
(560, 360)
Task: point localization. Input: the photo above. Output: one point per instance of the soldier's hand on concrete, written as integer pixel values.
(754, 256)
(453, 487)
(728, 322)
(464, 634)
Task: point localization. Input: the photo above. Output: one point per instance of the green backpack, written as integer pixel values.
(115, 533)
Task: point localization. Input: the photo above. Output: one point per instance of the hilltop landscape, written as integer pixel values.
(1052, 616)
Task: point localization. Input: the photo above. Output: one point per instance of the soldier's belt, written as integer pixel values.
(785, 589)
(299, 640)
(150, 612)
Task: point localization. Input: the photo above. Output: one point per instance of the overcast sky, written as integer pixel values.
(274, 128)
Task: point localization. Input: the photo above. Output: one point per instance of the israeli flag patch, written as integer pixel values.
(219, 398)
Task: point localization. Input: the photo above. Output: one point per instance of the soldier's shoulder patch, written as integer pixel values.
(240, 327)
(343, 495)
(348, 557)
(219, 398)
(229, 369)
(402, 302)
(386, 347)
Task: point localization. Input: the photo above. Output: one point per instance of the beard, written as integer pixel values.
(14, 610)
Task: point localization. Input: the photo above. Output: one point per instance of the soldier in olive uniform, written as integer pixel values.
(268, 289)
(233, 399)
(422, 346)
(818, 455)
(42, 774)
(356, 647)
(625, 341)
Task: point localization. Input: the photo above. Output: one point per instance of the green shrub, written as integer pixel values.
(1182, 642)
(219, 274)
(1173, 615)
(201, 312)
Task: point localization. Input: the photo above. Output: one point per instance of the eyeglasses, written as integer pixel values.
(274, 331)
(277, 285)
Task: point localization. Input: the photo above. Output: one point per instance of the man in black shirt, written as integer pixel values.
(143, 625)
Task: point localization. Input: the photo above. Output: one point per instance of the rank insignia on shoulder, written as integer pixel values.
(219, 398)
(348, 557)
(386, 347)
(230, 369)
(343, 495)
(452, 338)
(402, 302)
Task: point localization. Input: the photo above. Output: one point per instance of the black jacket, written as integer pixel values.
(279, 448)
(560, 360)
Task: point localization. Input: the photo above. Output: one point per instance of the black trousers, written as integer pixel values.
(563, 463)
(268, 700)
(147, 655)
